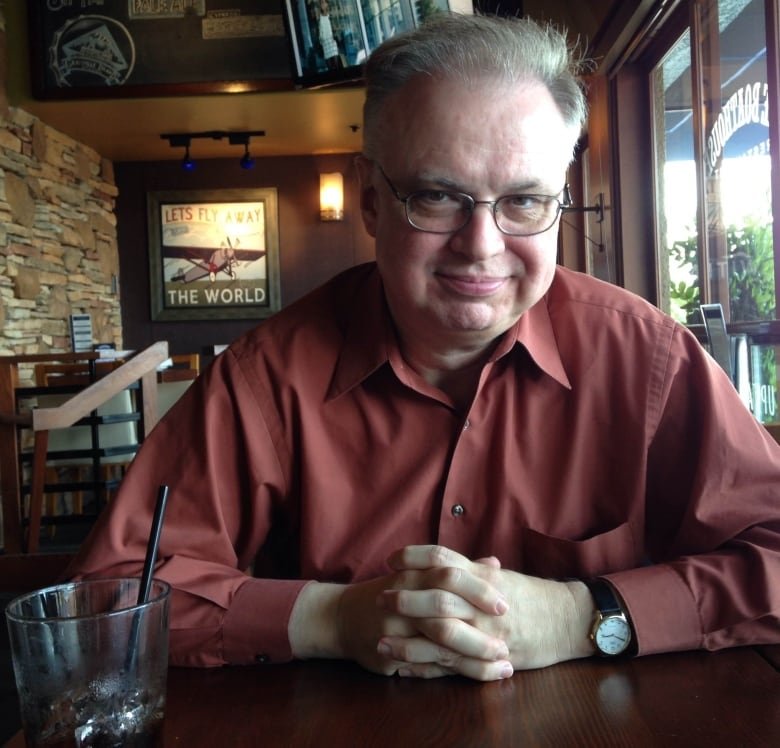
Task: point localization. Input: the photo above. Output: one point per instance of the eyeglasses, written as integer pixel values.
(445, 211)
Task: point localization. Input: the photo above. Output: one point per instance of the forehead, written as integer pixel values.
(488, 132)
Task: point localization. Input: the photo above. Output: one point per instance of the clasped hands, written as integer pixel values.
(439, 613)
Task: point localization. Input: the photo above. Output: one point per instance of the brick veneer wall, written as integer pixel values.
(58, 242)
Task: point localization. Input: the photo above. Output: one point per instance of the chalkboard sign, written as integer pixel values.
(103, 48)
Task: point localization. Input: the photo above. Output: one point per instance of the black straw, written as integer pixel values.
(146, 577)
(152, 545)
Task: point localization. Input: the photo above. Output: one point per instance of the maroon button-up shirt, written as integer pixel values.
(602, 440)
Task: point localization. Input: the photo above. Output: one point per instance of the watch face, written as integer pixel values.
(613, 635)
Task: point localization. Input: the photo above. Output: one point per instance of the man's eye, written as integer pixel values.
(523, 202)
(437, 198)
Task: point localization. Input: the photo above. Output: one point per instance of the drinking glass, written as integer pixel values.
(90, 663)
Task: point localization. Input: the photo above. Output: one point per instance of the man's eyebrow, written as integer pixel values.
(525, 187)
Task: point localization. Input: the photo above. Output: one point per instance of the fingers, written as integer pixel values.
(419, 657)
(454, 638)
(445, 596)
(441, 603)
(429, 556)
(490, 561)
(426, 557)
(440, 570)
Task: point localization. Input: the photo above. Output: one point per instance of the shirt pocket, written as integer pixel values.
(558, 558)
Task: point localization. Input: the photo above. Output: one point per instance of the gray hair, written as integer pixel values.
(468, 47)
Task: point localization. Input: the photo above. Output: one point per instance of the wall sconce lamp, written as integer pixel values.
(331, 197)
(184, 140)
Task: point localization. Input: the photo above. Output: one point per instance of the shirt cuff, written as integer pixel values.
(662, 609)
(255, 626)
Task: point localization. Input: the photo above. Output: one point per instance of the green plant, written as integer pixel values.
(425, 9)
(750, 255)
(684, 294)
(751, 272)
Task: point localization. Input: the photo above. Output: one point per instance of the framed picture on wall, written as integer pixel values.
(330, 40)
(213, 254)
(141, 48)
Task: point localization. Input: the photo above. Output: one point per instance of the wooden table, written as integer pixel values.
(729, 698)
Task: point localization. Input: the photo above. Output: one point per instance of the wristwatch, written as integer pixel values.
(611, 632)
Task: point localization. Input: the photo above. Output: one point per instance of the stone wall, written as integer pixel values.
(58, 243)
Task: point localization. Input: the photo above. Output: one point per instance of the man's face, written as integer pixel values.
(466, 288)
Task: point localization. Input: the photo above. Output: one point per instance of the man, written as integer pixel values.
(461, 459)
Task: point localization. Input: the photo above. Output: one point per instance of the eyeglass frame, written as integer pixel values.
(563, 206)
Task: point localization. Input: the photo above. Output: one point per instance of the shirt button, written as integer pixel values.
(262, 659)
(458, 510)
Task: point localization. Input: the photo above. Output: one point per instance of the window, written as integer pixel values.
(678, 266)
(695, 96)
(710, 93)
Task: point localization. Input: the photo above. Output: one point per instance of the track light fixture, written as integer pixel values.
(247, 162)
(187, 163)
(184, 140)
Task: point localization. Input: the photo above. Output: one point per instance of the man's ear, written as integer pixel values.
(368, 196)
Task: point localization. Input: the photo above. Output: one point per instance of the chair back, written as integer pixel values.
(53, 374)
(186, 361)
(22, 506)
(169, 392)
(112, 435)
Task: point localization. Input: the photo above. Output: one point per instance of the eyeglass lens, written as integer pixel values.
(444, 212)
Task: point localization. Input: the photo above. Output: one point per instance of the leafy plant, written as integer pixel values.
(425, 9)
(684, 294)
(750, 255)
(751, 272)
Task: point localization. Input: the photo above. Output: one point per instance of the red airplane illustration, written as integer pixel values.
(209, 262)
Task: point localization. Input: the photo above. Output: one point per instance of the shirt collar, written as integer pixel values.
(369, 338)
(368, 335)
(536, 333)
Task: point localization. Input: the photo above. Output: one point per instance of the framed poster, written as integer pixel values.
(332, 39)
(98, 49)
(213, 254)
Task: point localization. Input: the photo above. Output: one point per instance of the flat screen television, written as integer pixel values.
(330, 40)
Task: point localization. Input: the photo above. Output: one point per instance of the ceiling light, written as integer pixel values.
(247, 162)
(187, 163)
(184, 139)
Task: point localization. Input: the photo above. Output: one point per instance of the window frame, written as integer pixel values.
(652, 42)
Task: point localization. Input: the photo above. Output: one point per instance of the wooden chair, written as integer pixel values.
(189, 361)
(88, 470)
(80, 374)
(69, 374)
(173, 381)
(168, 392)
(98, 454)
(21, 525)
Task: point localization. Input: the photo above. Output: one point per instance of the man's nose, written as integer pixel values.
(480, 238)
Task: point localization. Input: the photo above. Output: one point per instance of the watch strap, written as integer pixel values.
(604, 596)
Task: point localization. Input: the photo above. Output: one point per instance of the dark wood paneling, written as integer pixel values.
(633, 182)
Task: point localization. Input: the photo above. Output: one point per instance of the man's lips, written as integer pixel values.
(468, 285)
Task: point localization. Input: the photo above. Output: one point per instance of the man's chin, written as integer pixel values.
(479, 322)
